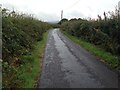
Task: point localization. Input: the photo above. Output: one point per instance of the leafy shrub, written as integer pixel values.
(104, 33)
(19, 34)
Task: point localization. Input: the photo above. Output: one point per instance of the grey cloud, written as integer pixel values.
(47, 17)
(75, 14)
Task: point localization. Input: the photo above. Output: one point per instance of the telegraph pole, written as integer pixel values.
(61, 14)
(119, 7)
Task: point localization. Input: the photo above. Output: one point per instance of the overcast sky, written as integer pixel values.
(50, 10)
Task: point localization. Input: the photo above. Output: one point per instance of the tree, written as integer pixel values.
(63, 20)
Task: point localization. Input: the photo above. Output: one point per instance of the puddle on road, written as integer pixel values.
(76, 73)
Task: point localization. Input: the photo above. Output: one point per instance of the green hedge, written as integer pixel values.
(20, 32)
(104, 33)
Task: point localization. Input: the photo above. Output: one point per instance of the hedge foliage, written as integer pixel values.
(20, 32)
(102, 32)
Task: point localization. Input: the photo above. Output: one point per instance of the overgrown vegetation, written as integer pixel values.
(104, 56)
(20, 33)
(103, 33)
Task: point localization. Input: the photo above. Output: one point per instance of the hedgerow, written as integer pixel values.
(20, 32)
(104, 33)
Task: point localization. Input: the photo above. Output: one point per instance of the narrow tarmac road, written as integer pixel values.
(67, 65)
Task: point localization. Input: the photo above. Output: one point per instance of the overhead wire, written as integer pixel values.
(72, 5)
(69, 8)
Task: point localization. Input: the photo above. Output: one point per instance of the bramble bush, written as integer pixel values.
(20, 32)
(104, 33)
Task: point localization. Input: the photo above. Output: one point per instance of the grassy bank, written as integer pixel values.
(104, 56)
(30, 71)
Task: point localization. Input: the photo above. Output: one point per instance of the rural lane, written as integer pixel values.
(67, 65)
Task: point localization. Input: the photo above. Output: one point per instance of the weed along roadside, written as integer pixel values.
(23, 43)
(41, 46)
(33, 69)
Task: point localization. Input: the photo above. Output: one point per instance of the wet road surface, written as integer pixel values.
(67, 65)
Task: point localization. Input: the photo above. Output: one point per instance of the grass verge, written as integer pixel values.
(30, 71)
(106, 57)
